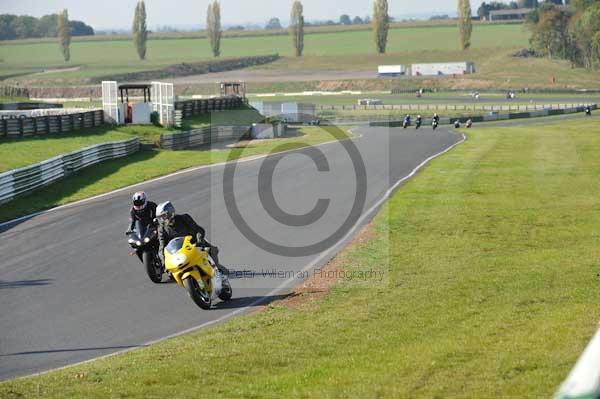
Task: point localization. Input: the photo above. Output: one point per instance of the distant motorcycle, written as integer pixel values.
(144, 242)
(434, 124)
(406, 123)
(588, 111)
(418, 123)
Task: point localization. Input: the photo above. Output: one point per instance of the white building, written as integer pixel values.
(442, 68)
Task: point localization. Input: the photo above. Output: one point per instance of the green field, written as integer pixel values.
(351, 50)
(439, 98)
(98, 58)
(493, 291)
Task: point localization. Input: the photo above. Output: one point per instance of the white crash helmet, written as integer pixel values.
(165, 212)
(139, 200)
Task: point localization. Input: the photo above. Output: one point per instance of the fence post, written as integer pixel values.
(72, 122)
(21, 126)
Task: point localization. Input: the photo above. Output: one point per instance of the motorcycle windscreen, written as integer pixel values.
(175, 245)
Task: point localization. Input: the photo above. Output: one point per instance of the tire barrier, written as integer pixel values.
(49, 124)
(187, 108)
(24, 180)
(203, 136)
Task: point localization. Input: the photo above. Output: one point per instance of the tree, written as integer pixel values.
(550, 33)
(345, 19)
(357, 21)
(381, 24)
(582, 5)
(465, 25)
(297, 27)
(64, 34)
(213, 27)
(25, 26)
(274, 23)
(585, 30)
(78, 28)
(140, 33)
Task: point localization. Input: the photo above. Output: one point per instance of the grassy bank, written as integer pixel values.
(145, 165)
(15, 153)
(492, 260)
(100, 58)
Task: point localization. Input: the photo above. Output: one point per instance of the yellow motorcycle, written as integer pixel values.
(193, 269)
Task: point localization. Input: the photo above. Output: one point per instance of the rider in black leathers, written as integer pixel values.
(173, 226)
(142, 211)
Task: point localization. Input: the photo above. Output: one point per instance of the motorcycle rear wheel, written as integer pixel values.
(200, 297)
(152, 270)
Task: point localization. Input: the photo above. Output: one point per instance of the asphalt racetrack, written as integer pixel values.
(70, 291)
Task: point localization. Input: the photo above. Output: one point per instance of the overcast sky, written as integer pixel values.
(103, 14)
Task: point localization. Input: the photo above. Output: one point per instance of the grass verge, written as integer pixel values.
(492, 259)
(15, 153)
(145, 165)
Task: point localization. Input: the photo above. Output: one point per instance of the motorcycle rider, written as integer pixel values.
(142, 211)
(419, 121)
(436, 118)
(173, 226)
(407, 120)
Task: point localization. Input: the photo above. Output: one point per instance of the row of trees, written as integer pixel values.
(345, 19)
(380, 26)
(571, 33)
(25, 27)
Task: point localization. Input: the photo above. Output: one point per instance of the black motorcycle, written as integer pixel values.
(144, 241)
(418, 124)
(588, 111)
(434, 124)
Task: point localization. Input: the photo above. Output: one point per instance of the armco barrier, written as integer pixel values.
(50, 124)
(202, 136)
(23, 180)
(489, 118)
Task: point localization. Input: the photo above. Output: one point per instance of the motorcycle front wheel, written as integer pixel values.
(153, 271)
(200, 297)
(226, 291)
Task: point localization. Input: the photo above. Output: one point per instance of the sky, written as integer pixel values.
(105, 14)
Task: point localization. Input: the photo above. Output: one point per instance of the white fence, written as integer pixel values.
(584, 380)
(163, 102)
(24, 180)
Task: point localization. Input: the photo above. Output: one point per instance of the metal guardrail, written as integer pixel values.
(24, 180)
(449, 107)
(584, 380)
(202, 136)
(391, 121)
